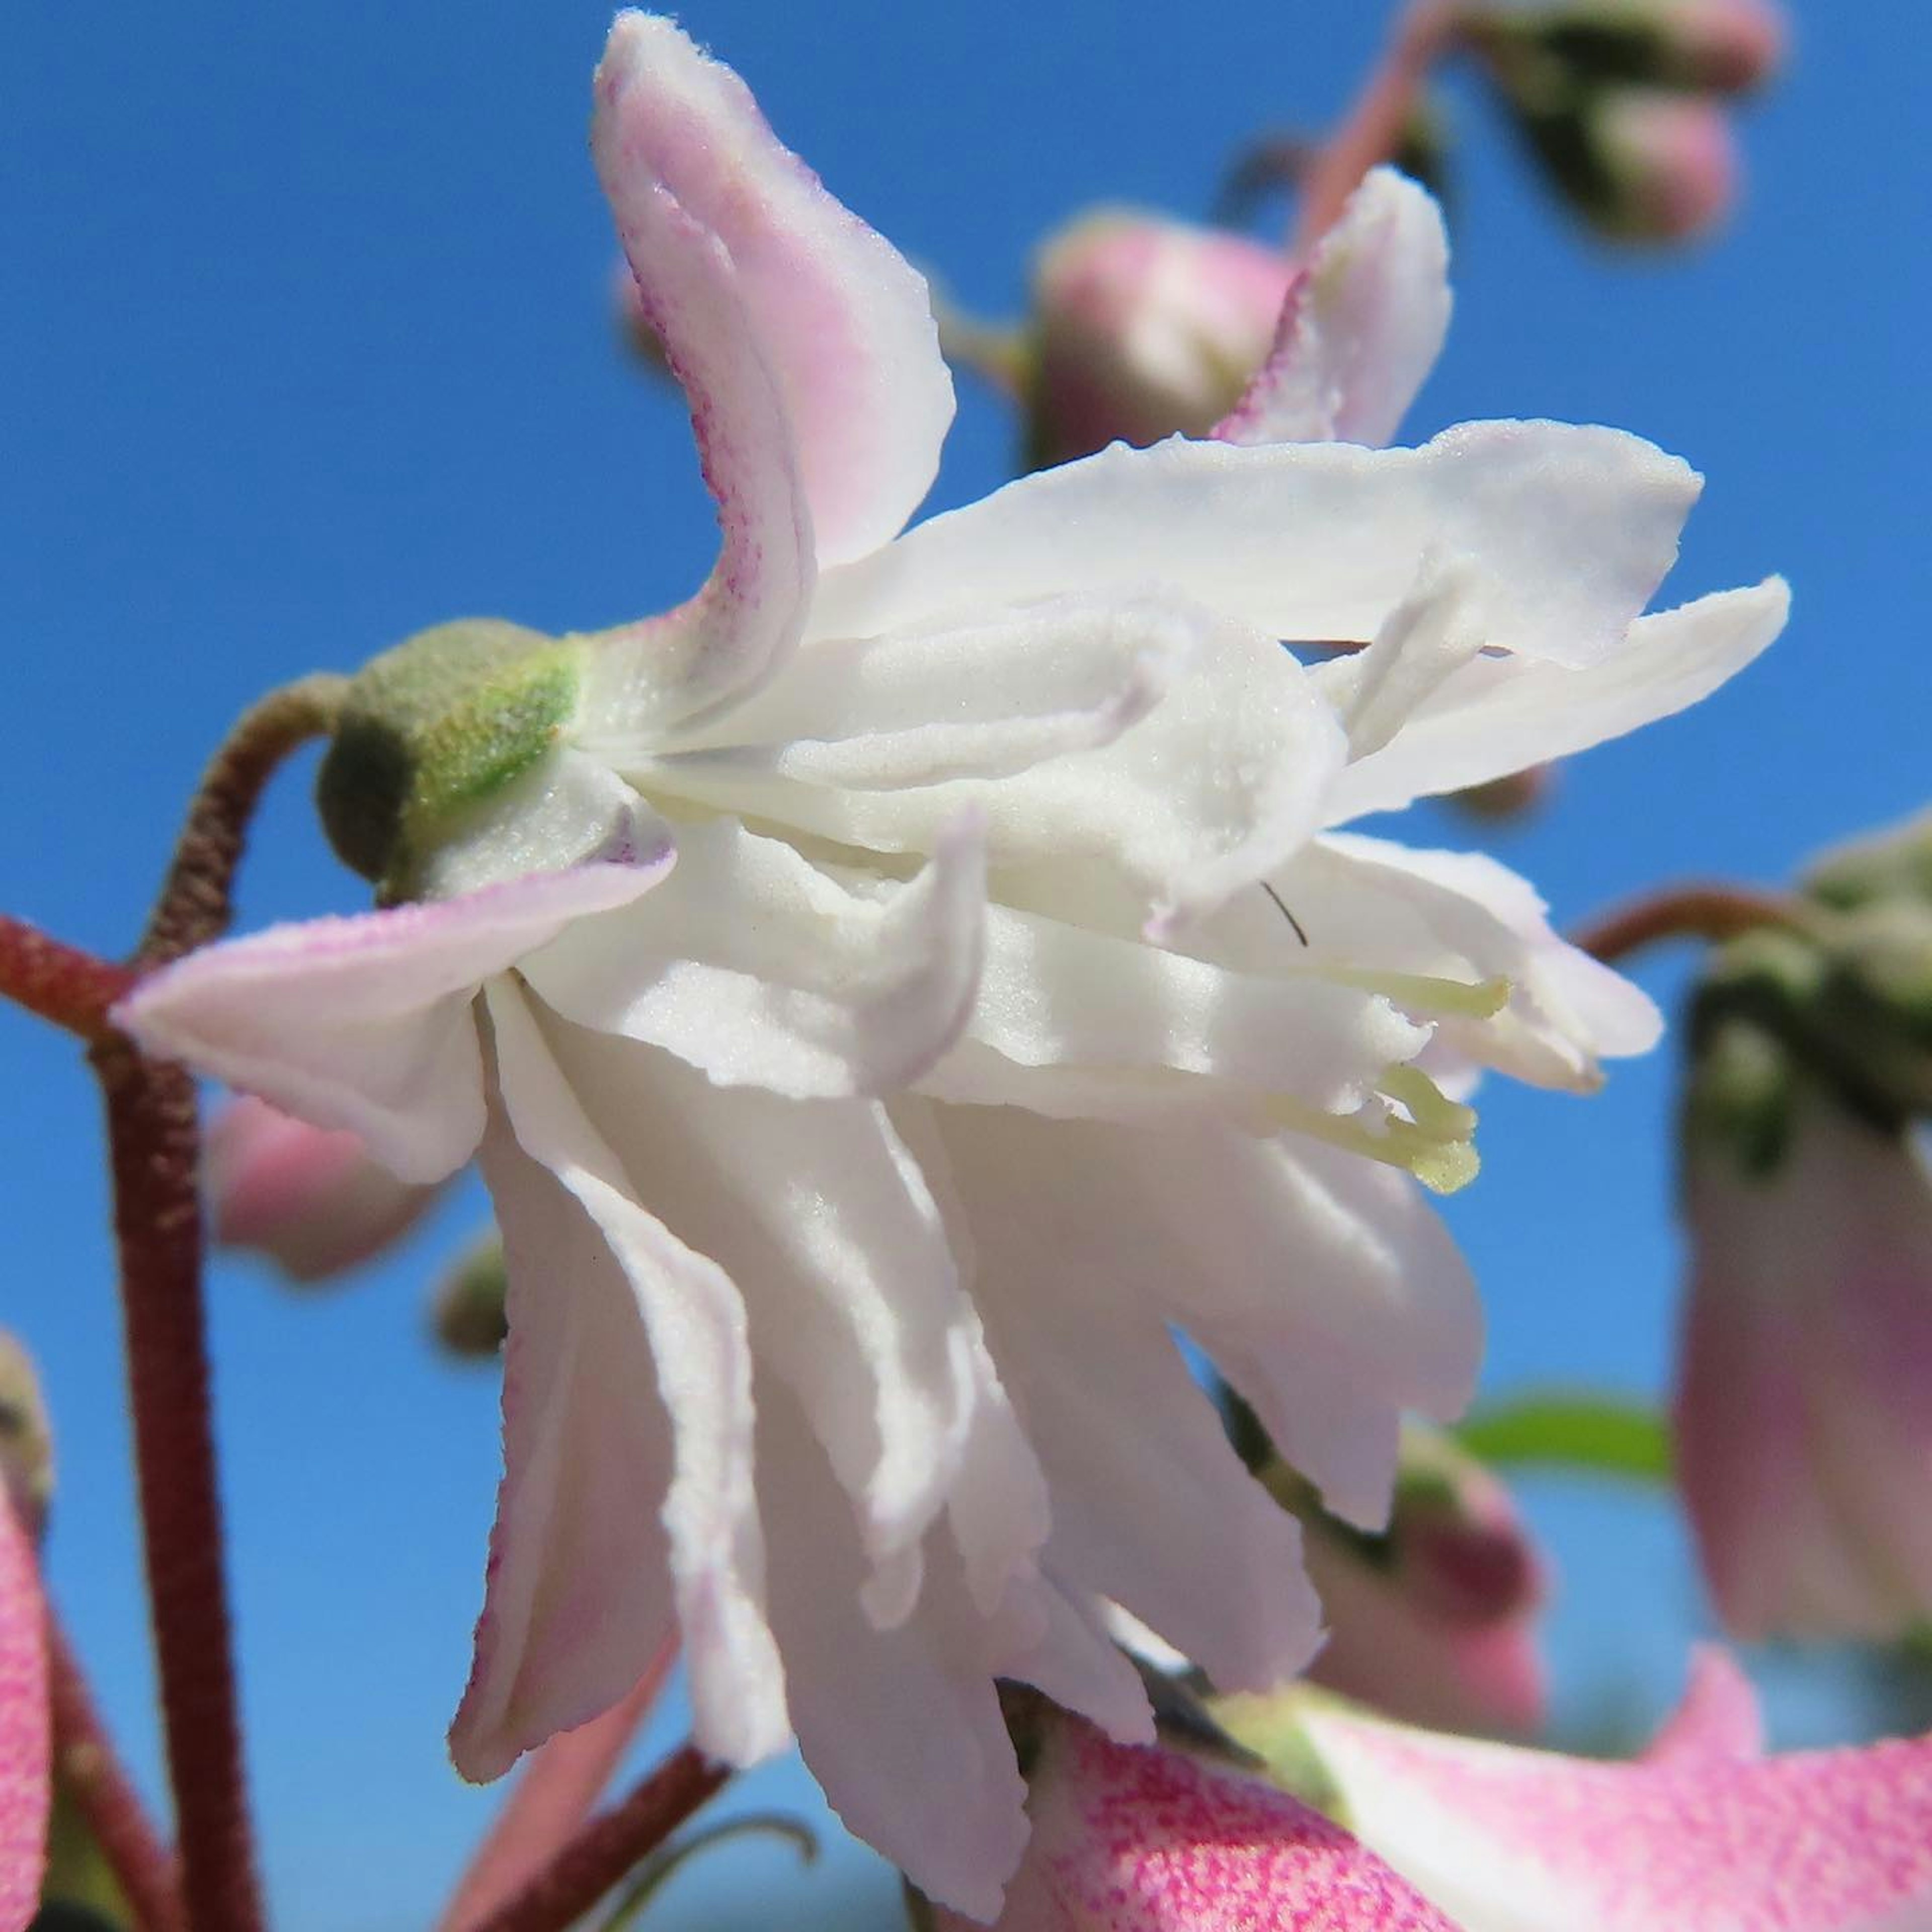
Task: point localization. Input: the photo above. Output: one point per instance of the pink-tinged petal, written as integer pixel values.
(683, 1309)
(1361, 328)
(1148, 1500)
(1718, 1721)
(763, 970)
(843, 322)
(1514, 1840)
(1131, 1840)
(365, 1024)
(1804, 1406)
(25, 1736)
(1565, 532)
(1499, 715)
(311, 1199)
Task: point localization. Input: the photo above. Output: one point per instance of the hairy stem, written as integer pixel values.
(58, 982)
(1373, 130)
(1708, 912)
(153, 1148)
(596, 1861)
(87, 1768)
(197, 902)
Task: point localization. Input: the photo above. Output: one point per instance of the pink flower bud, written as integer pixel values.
(1728, 46)
(1145, 326)
(1436, 1621)
(315, 1202)
(1669, 164)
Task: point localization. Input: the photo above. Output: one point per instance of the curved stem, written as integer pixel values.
(60, 983)
(196, 901)
(596, 1861)
(87, 1768)
(1709, 912)
(1374, 128)
(154, 1147)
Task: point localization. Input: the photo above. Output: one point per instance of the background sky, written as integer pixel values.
(303, 344)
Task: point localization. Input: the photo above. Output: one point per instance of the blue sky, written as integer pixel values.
(304, 345)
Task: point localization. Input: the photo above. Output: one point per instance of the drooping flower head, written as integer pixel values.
(892, 992)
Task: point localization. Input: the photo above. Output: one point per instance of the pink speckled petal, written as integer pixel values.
(1717, 1721)
(364, 1023)
(312, 1199)
(1141, 1840)
(1514, 1840)
(25, 1739)
(1362, 326)
(841, 320)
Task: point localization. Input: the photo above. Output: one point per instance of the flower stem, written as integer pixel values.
(58, 982)
(197, 900)
(1374, 128)
(87, 1768)
(596, 1859)
(153, 1147)
(552, 1797)
(1693, 911)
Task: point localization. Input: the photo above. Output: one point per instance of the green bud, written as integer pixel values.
(1895, 863)
(432, 733)
(1741, 1089)
(467, 1312)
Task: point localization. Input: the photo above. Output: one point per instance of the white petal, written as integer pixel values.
(1462, 916)
(764, 970)
(695, 1324)
(842, 320)
(1499, 715)
(364, 1023)
(1071, 1020)
(1362, 327)
(1567, 531)
(1150, 1505)
(578, 1597)
(818, 1212)
(1187, 754)
(901, 1727)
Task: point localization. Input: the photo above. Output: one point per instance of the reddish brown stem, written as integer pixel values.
(1373, 130)
(552, 1797)
(596, 1860)
(90, 1772)
(60, 983)
(1708, 912)
(197, 902)
(153, 1146)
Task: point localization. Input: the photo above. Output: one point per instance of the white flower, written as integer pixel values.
(862, 985)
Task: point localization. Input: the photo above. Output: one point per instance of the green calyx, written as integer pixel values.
(433, 732)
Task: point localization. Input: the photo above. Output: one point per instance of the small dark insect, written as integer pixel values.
(1280, 906)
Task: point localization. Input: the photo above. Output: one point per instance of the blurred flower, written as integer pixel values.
(1804, 1397)
(1668, 165)
(1720, 46)
(26, 1439)
(26, 1742)
(1144, 327)
(313, 1200)
(1434, 1620)
(467, 1310)
(1041, 1014)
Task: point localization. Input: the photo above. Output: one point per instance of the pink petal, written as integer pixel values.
(312, 1199)
(1129, 1839)
(1362, 326)
(1718, 1721)
(364, 1023)
(25, 1738)
(841, 318)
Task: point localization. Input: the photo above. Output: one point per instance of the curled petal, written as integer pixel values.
(1566, 531)
(1498, 715)
(839, 318)
(1362, 326)
(364, 1023)
(25, 1738)
(764, 970)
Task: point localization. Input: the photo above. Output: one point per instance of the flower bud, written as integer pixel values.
(1668, 165)
(313, 1201)
(26, 1439)
(1144, 327)
(1724, 46)
(466, 1311)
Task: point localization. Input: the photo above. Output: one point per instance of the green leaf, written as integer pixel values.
(1602, 1434)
